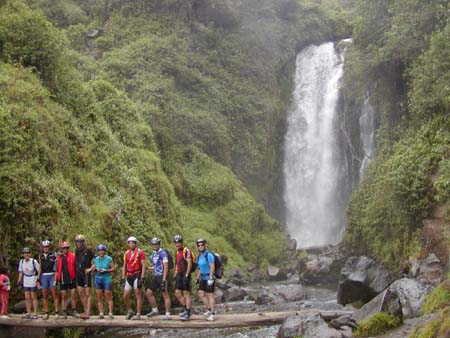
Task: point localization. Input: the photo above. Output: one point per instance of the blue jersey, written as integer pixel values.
(203, 263)
(103, 263)
(158, 258)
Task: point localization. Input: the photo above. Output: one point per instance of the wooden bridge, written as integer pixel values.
(197, 321)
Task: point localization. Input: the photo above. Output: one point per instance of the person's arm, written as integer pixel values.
(112, 267)
(92, 268)
(212, 267)
(143, 264)
(166, 270)
(189, 262)
(39, 270)
(124, 267)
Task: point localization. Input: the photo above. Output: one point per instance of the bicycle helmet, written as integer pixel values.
(26, 250)
(45, 243)
(201, 241)
(101, 247)
(155, 240)
(79, 238)
(132, 239)
(177, 239)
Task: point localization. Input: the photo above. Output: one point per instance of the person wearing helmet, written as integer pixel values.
(28, 278)
(66, 278)
(103, 266)
(84, 256)
(133, 270)
(47, 277)
(159, 280)
(206, 279)
(183, 269)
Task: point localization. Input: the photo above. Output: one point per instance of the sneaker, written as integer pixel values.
(57, 316)
(130, 314)
(111, 316)
(211, 317)
(166, 317)
(182, 313)
(153, 313)
(75, 314)
(4, 317)
(84, 315)
(26, 316)
(185, 317)
(64, 315)
(34, 316)
(137, 316)
(45, 316)
(207, 313)
(101, 316)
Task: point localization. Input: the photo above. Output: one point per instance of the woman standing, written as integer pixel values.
(28, 279)
(103, 266)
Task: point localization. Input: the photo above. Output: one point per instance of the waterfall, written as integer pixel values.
(314, 214)
(367, 127)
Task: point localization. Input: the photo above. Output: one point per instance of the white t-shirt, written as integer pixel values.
(29, 269)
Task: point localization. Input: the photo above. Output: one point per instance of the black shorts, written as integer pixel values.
(156, 282)
(66, 287)
(84, 279)
(182, 282)
(203, 286)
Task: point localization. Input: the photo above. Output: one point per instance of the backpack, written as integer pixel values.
(169, 257)
(194, 260)
(218, 265)
(34, 266)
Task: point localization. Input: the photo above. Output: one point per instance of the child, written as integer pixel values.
(4, 292)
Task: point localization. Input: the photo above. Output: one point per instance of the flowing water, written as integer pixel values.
(327, 147)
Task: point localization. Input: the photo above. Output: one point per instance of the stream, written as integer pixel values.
(316, 297)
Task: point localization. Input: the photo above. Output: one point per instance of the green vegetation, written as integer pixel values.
(148, 118)
(436, 328)
(377, 324)
(401, 57)
(438, 299)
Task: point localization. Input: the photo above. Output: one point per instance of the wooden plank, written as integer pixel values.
(197, 321)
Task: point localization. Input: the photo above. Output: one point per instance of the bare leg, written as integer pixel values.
(100, 300)
(187, 298)
(204, 298)
(73, 298)
(167, 302)
(45, 300)
(28, 301)
(138, 294)
(82, 296)
(55, 299)
(180, 296)
(63, 300)
(126, 299)
(212, 301)
(151, 298)
(87, 292)
(109, 300)
(35, 301)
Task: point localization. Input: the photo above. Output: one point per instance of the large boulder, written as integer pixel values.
(218, 296)
(309, 324)
(411, 293)
(430, 270)
(321, 265)
(236, 276)
(387, 301)
(292, 293)
(361, 279)
(275, 273)
(234, 293)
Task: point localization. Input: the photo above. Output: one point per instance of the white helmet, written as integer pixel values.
(45, 243)
(132, 239)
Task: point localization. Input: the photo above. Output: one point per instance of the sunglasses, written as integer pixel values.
(200, 245)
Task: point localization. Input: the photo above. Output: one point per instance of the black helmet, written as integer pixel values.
(201, 241)
(177, 239)
(155, 240)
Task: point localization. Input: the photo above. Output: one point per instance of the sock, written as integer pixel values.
(188, 311)
(154, 309)
(168, 314)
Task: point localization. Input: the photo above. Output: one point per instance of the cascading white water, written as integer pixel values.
(367, 127)
(311, 172)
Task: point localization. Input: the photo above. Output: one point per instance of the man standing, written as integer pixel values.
(66, 277)
(84, 257)
(28, 278)
(160, 261)
(206, 279)
(133, 269)
(47, 275)
(183, 269)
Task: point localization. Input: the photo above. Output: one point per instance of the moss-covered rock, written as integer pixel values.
(378, 324)
(438, 299)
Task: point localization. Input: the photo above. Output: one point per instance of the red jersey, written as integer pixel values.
(133, 261)
(183, 253)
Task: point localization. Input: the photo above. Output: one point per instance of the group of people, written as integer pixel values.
(71, 274)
